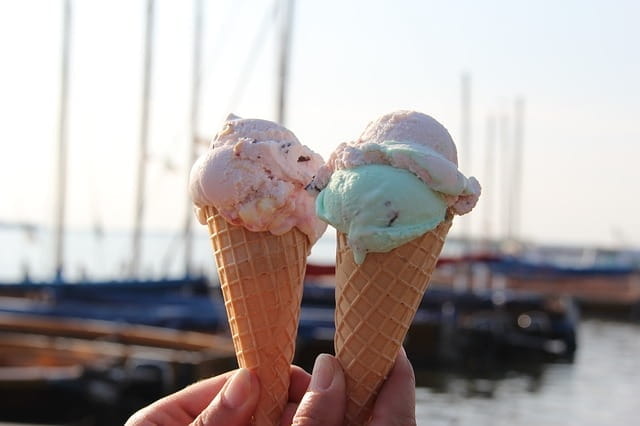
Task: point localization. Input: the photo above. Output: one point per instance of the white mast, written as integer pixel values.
(144, 136)
(61, 182)
(516, 179)
(505, 175)
(193, 127)
(465, 142)
(285, 47)
(488, 183)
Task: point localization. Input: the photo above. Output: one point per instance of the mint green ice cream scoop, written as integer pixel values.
(379, 207)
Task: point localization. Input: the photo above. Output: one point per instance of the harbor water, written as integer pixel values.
(599, 388)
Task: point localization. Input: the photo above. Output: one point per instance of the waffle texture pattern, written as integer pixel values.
(261, 278)
(375, 305)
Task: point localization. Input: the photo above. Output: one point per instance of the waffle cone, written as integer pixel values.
(375, 305)
(261, 277)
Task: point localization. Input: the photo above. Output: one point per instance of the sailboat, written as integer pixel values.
(606, 283)
(178, 302)
(186, 303)
(96, 351)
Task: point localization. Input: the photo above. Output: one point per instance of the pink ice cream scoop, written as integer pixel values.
(413, 141)
(255, 173)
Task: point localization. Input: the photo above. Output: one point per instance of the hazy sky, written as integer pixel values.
(575, 64)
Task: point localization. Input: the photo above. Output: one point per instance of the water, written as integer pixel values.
(107, 255)
(599, 388)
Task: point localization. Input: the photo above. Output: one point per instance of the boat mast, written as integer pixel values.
(488, 178)
(143, 144)
(61, 183)
(515, 197)
(465, 141)
(505, 175)
(193, 127)
(285, 48)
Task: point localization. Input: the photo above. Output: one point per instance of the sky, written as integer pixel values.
(574, 65)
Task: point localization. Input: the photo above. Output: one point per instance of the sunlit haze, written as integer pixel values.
(575, 64)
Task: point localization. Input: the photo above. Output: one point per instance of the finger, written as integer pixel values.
(235, 404)
(288, 413)
(297, 387)
(194, 398)
(182, 405)
(299, 383)
(396, 402)
(324, 401)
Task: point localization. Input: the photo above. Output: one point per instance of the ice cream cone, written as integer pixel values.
(376, 302)
(261, 277)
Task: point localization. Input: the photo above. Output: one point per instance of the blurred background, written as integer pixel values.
(109, 290)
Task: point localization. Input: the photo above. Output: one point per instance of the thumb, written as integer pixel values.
(235, 404)
(325, 399)
(396, 402)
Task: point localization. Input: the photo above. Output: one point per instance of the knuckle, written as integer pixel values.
(395, 419)
(306, 421)
(197, 422)
(201, 420)
(406, 421)
(311, 411)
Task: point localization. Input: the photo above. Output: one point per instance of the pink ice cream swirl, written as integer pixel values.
(254, 174)
(413, 141)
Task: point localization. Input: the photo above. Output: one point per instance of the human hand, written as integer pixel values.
(228, 399)
(325, 400)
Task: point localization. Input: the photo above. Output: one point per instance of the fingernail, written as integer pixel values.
(323, 373)
(237, 389)
(403, 356)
